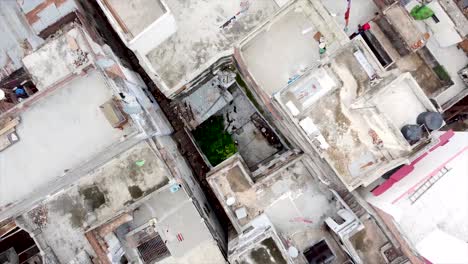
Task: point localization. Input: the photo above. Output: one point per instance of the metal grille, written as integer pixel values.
(153, 250)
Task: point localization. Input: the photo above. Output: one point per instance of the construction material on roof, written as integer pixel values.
(8, 134)
(113, 113)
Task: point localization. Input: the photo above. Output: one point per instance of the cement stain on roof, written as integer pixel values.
(70, 207)
(97, 197)
(93, 197)
(266, 252)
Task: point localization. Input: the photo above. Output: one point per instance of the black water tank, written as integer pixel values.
(412, 133)
(431, 120)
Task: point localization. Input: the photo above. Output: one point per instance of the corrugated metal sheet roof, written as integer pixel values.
(41, 14)
(16, 34)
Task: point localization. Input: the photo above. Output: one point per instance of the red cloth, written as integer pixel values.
(365, 27)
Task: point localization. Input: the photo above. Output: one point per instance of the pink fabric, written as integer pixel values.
(407, 169)
(402, 172)
(444, 139)
(383, 187)
(430, 175)
(419, 158)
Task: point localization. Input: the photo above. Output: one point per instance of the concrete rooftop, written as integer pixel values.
(362, 11)
(443, 207)
(451, 57)
(405, 25)
(200, 40)
(14, 31)
(96, 198)
(58, 133)
(175, 214)
(353, 123)
(59, 58)
(285, 46)
(292, 198)
(136, 15)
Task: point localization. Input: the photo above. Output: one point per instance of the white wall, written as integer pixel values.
(155, 34)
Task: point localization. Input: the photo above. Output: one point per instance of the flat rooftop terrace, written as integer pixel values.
(285, 46)
(293, 199)
(354, 124)
(362, 11)
(96, 198)
(58, 133)
(200, 39)
(136, 15)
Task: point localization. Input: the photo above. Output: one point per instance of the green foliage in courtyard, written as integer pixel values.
(421, 12)
(442, 73)
(214, 140)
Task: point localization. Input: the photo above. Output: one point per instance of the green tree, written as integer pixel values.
(214, 140)
(421, 12)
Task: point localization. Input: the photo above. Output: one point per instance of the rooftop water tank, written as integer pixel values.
(432, 120)
(412, 133)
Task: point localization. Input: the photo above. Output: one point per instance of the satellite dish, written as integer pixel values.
(293, 252)
(2, 94)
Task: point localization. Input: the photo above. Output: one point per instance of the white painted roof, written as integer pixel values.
(440, 247)
(443, 206)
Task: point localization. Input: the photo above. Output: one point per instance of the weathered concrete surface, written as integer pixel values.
(14, 31)
(389, 222)
(58, 59)
(177, 150)
(285, 47)
(362, 143)
(175, 214)
(96, 198)
(137, 14)
(362, 11)
(369, 241)
(199, 40)
(292, 198)
(57, 134)
(457, 16)
(42, 14)
(453, 59)
(401, 21)
(253, 145)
